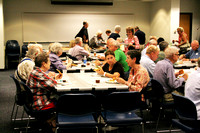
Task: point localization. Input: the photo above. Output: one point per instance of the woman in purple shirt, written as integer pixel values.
(56, 62)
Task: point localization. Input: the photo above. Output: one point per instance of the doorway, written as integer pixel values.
(186, 22)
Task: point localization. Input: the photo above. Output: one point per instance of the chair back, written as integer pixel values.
(12, 47)
(28, 96)
(77, 104)
(154, 92)
(184, 107)
(71, 57)
(122, 101)
(19, 93)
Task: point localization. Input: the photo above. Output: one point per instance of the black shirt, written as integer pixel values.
(83, 32)
(116, 68)
(141, 36)
(114, 36)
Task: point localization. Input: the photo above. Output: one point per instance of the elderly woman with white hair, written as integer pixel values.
(164, 73)
(115, 35)
(56, 62)
(26, 65)
(96, 40)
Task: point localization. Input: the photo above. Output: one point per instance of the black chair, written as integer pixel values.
(155, 96)
(71, 57)
(19, 100)
(119, 109)
(24, 50)
(40, 115)
(12, 51)
(76, 111)
(187, 114)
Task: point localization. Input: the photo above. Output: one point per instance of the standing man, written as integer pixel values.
(115, 35)
(83, 33)
(141, 36)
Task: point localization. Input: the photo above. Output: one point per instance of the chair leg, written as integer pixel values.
(28, 123)
(13, 111)
(142, 127)
(158, 119)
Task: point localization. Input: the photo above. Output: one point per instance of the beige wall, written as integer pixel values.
(2, 51)
(13, 10)
(160, 19)
(192, 6)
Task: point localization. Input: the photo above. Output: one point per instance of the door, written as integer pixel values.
(186, 22)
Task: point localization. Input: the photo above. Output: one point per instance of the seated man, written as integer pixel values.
(151, 42)
(164, 73)
(78, 51)
(193, 54)
(147, 61)
(192, 90)
(119, 54)
(162, 45)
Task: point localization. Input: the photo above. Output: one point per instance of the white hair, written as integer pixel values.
(115, 43)
(56, 47)
(118, 28)
(153, 42)
(78, 40)
(33, 50)
(170, 51)
(99, 32)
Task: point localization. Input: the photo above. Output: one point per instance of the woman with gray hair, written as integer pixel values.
(115, 35)
(97, 40)
(26, 65)
(56, 62)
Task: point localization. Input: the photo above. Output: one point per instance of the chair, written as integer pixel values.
(187, 114)
(155, 96)
(119, 109)
(12, 51)
(77, 110)
(19, 100)
(71, 57)
(40, 115)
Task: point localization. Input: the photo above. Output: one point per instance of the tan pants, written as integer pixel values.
(168, 97)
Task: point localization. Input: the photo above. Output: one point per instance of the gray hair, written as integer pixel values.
(115, 43)
(56, 47)
(33, 51)
(152, 48)
(153, 42)
(78, 40)
(181, 29)
(99, 32)
(118, 28)
(170, 51)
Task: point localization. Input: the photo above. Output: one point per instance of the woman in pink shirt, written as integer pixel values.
(131, 39)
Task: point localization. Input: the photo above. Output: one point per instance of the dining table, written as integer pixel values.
(91, 81)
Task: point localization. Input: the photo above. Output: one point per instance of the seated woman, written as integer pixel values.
(56, 62)
(97, 40)
(112, 68)
(42, 85)
(27, 63)
(138, 76)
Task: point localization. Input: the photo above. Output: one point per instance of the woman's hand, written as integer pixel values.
(100, 71)
(52, 74)
(121, 80)
(59, 76)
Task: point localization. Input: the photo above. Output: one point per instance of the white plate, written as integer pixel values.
(111, 82)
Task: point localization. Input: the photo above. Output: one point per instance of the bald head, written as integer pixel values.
(153, 42)
(195, 45)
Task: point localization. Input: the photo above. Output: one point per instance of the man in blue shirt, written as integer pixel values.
(193, 54)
